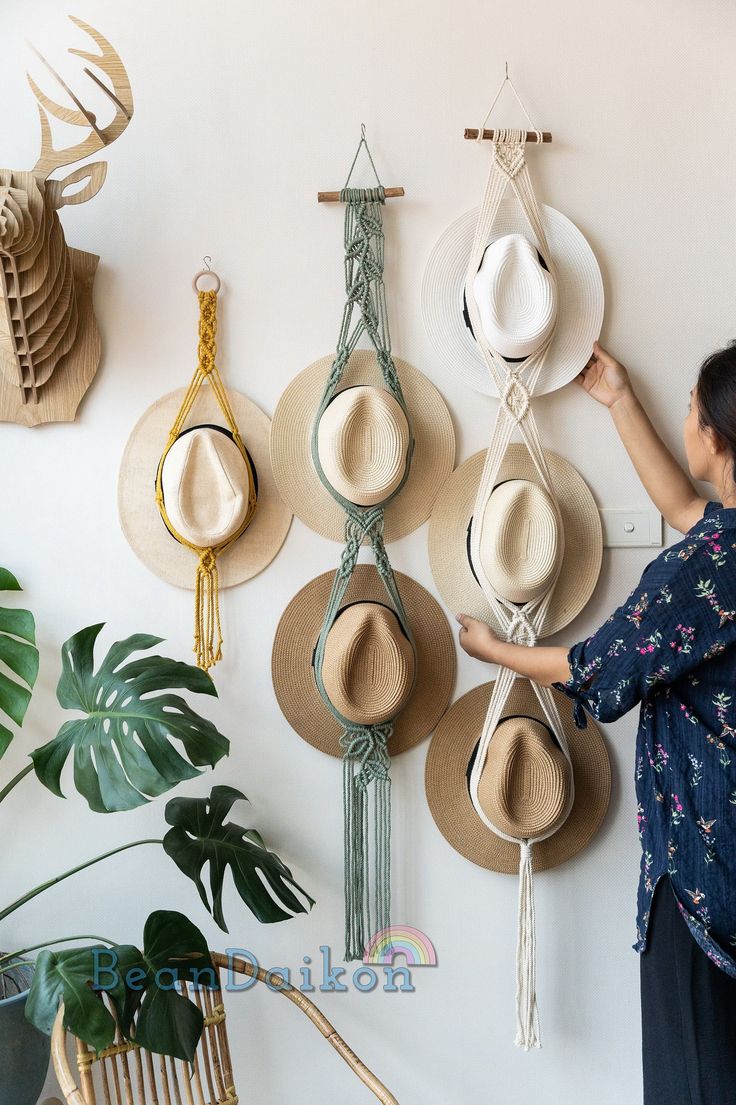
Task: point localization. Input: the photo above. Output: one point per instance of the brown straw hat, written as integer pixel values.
(139, 514)
(375, 438)
(447, 779)
(449, 554)
(350, 667)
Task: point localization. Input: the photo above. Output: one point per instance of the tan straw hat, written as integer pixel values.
(368, 668)
(363, 439)
(524, 785)
(203, 482)
(525, 782)
(514, 315)
(519, 541)
(516, 296)
(368, 661)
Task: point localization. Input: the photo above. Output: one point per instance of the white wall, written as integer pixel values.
(243, 111)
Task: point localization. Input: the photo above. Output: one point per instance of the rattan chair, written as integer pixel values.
(125, 1074)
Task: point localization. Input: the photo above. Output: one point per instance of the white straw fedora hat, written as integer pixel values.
(204, 483)
(369, 669)
(526, 783)
(518, 301)
(520, 545)
(516, 296)
(363, 443)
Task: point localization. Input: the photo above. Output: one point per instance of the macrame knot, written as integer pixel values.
(515, 397)
(508, 152)
(520, 630)
(207, 560)
(207, 628)
(366, 745)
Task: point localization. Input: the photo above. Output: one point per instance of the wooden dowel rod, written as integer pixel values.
(334, 197)
(530, 136)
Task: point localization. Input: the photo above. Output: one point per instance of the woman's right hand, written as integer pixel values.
(604, 378)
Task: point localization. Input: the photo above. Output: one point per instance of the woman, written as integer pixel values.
(672, 647)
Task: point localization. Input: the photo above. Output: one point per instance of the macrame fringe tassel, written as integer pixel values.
(207, 629)
(527, 1016)
(363, 918)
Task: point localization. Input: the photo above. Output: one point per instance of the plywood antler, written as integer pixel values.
(120, 95)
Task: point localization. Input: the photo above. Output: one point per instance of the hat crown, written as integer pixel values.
(516, 297)
(519, 543)
(368, 665)
(524, 785)
(205, 483)
(362, 443)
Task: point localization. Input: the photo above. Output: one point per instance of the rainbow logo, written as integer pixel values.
(414, 945)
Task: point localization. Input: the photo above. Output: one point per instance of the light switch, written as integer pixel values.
(632, 528)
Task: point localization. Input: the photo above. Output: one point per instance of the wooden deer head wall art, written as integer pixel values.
(49, 342)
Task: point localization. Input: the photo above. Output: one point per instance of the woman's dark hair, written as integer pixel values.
(717, 396)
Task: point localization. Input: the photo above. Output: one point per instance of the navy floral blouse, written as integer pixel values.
(672, 647)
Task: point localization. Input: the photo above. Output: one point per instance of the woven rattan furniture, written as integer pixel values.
(125, 1074)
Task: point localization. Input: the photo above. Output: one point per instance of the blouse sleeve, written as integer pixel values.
(659, 634)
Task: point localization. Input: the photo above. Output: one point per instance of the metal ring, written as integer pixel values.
(211, 274)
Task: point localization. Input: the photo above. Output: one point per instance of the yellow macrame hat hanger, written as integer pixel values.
(213, 449)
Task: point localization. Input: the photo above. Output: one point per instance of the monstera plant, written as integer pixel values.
(132, 738)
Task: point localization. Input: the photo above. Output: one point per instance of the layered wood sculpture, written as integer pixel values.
(49, 342)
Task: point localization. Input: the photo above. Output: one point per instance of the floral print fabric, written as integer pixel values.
(672, 647)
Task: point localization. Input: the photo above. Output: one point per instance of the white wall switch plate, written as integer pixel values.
(631, 528)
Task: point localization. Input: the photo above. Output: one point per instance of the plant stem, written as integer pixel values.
(14, 782)
(74, 870)
(47, 944)
(9, 966)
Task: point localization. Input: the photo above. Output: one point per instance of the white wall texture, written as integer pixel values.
(243, 111)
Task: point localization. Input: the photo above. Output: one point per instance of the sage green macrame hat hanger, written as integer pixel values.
(365, 755)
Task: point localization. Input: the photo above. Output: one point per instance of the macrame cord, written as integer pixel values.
(520, 624)
(365, 756)
(207, 625)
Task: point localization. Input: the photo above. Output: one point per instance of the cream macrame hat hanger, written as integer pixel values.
(528, 316)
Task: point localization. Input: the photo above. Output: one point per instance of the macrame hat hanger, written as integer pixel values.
(204, 449)
(515, 382)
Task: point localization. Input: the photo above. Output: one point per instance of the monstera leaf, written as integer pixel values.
(124, 747)
(19, 654)
(138, 984)
(200, 835)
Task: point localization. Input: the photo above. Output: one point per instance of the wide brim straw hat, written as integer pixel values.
(141, 521)
(447, 774)
(448, 537)
(297, 479)
(580, 297)
(296, 637)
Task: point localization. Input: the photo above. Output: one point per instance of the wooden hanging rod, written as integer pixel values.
(334, 197)
(530, 136)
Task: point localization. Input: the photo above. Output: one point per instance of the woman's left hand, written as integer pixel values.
(476, 638)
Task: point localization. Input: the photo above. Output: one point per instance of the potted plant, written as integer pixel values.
(132, 738)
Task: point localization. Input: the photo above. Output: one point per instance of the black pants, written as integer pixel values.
(688, 1009)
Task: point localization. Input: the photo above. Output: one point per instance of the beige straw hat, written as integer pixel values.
(519, 542)
(505, 310)
(525, 782)
(362, 445)
(368, 661)
(203, 482)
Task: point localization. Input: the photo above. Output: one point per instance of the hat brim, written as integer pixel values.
(139, 514)
(448, 529)
(291, 457)
(579, 286)
(296, 636)
(446, 782)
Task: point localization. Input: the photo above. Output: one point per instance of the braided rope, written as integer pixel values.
(207, 625)
(515, 384)
(365, 756)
